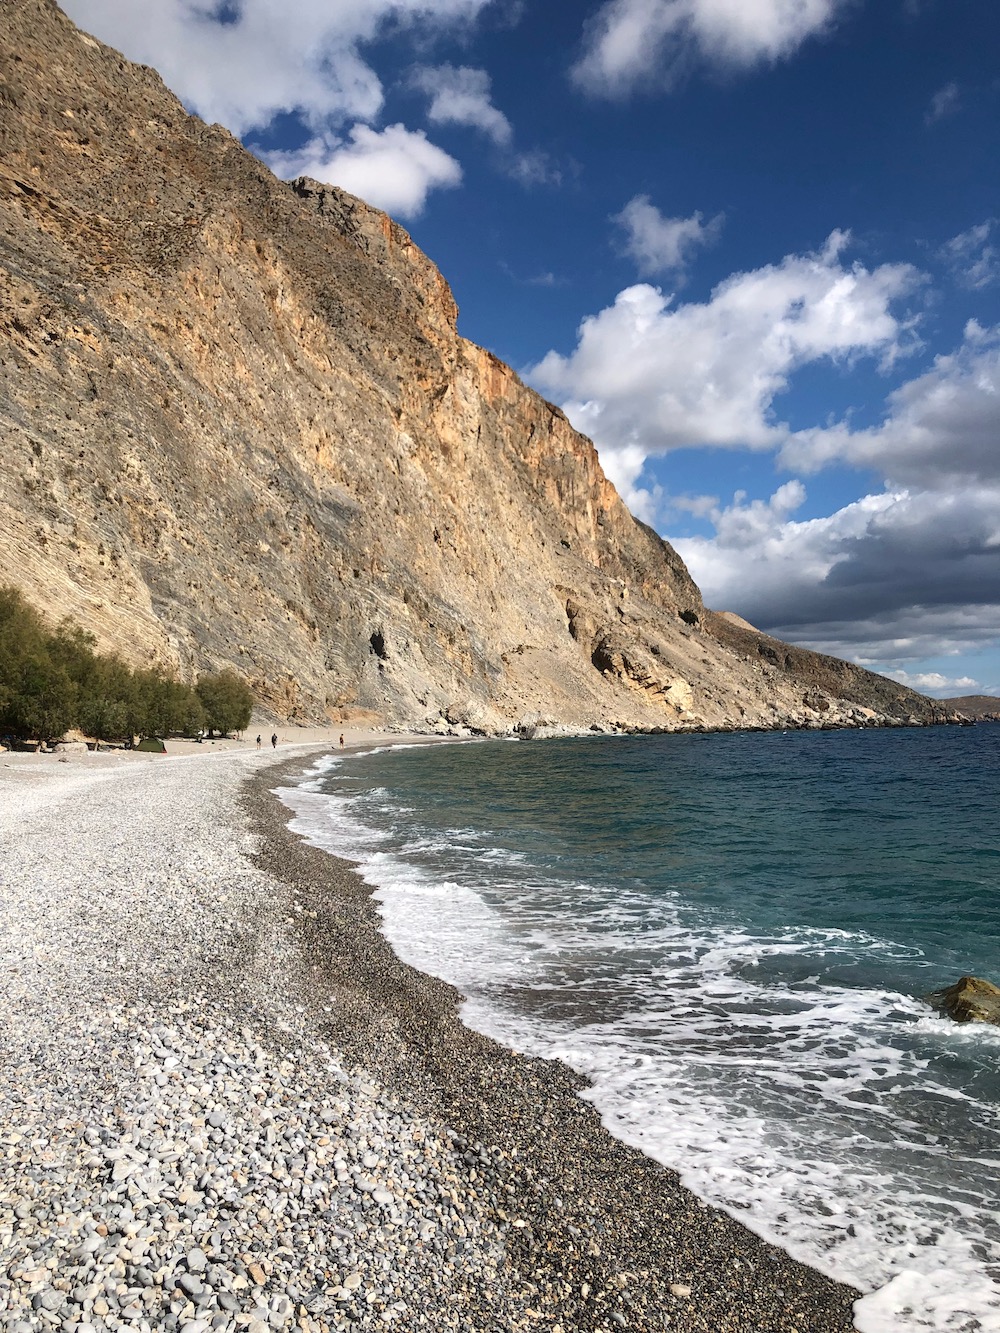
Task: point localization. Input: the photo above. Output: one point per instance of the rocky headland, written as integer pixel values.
(976, 707)
(240, 429)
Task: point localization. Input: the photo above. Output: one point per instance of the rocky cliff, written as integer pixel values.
(239, 428)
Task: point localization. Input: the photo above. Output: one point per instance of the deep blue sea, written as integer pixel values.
(730, 935)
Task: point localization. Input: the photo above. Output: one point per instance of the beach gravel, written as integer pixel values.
(225, 1104)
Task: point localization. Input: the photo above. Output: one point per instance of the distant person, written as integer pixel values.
(274, 741)
(341, 742)
(258, 742)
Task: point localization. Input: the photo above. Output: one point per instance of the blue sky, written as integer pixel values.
(751, 246)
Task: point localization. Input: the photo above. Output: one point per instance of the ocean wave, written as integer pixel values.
(779, 1070)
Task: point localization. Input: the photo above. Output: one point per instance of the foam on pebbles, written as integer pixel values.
(177, 1151)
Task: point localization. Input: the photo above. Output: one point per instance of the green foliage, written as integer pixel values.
(52, 681)
(107, 706)
(37, 694)
(227, 701)
(43, 701)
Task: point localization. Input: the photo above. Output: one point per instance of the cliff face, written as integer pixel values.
(239, 428)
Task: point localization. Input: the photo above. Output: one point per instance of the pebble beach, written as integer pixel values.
(225, 1103)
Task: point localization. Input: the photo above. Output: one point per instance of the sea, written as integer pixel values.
(731, 936)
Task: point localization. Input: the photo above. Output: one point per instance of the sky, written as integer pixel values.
(752, 248)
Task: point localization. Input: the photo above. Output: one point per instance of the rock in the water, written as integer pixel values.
(970, 1000)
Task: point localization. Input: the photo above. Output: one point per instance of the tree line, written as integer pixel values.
(53, 680)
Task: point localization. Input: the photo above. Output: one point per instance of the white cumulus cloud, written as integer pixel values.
(462, 96)
(660, 244)
(242, 68)
(900, 575)
(648, 375)
(942, 428)
(245, 63)
(896, 576)
(631, 42)
(394, 168)
(933, 682)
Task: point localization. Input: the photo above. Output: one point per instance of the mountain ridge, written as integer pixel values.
(240, 429)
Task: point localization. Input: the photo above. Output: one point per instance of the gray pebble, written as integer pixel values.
(158, 1040)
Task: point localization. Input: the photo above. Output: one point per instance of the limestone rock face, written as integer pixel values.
(238, 428)
(970, 1000)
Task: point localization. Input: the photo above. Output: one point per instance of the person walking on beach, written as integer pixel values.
(258, 742)
(274, 741)
(341, 742)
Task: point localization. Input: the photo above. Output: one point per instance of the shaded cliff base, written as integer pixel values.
(605, 1238)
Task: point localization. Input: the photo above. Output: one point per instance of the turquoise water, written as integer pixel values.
(730, 935)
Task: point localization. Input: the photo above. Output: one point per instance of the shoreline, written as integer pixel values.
(226, 1104)
(600, 1217)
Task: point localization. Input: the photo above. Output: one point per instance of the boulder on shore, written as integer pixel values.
(970, 1000)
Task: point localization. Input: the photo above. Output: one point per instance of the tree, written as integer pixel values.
(22, 635)
(40, 699)
(227, 701)
(37, 694)
(106, 710)
(171, 707)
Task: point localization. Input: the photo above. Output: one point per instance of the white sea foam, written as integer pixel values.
(438, 918)
(320, 818)
(876, 1218)
(796, 1105)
